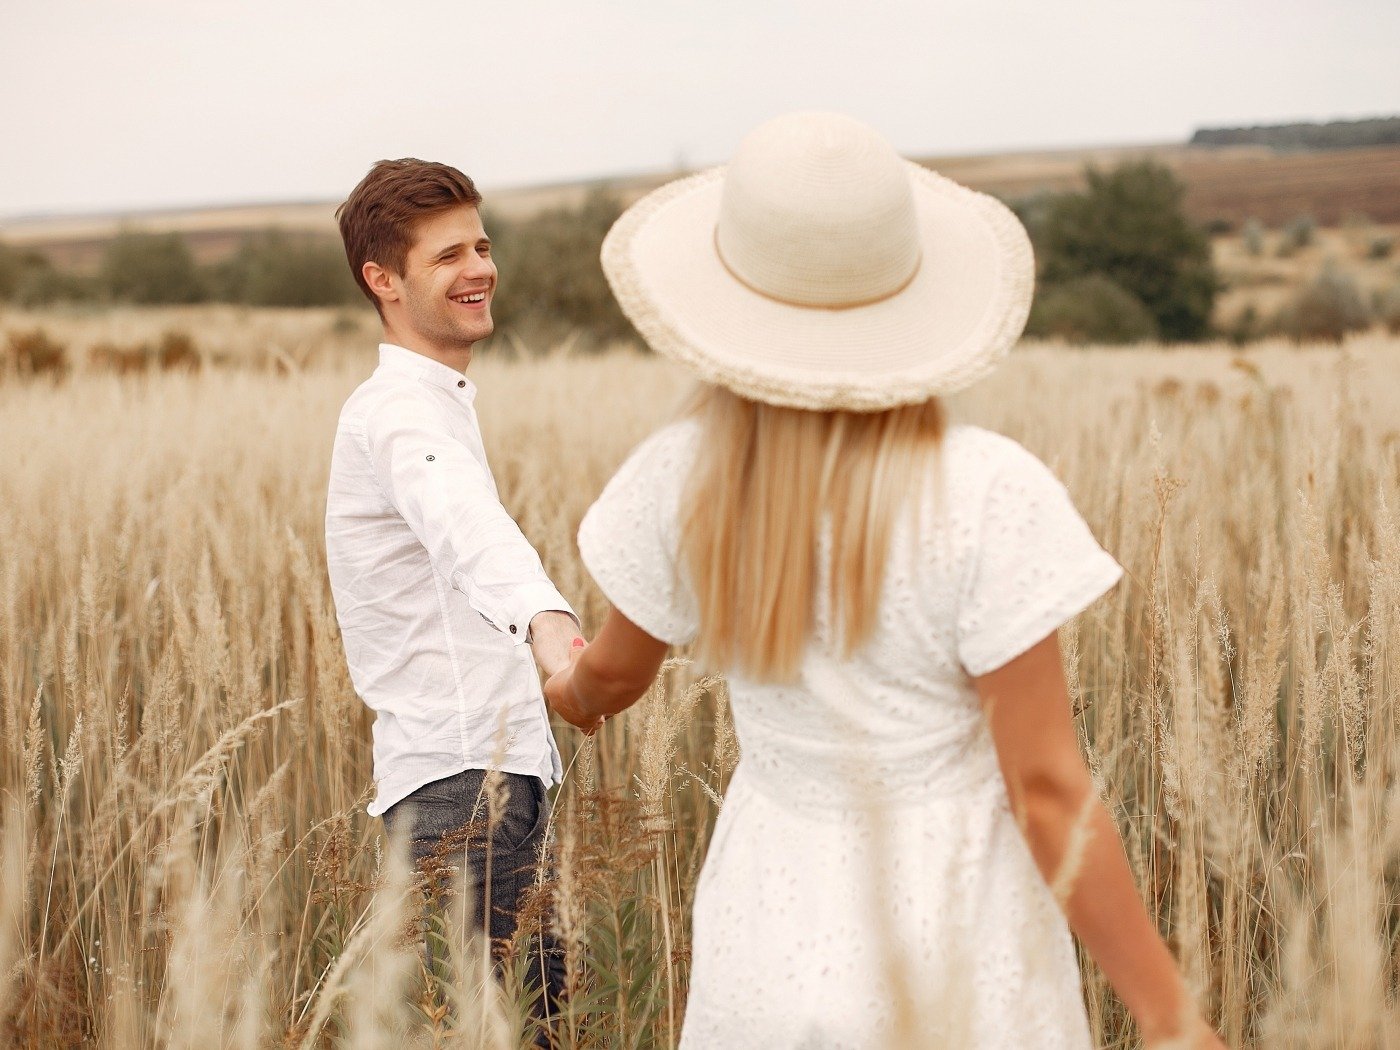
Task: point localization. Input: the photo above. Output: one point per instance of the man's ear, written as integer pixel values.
(380, 281)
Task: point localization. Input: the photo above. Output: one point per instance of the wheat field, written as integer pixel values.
(184, 854)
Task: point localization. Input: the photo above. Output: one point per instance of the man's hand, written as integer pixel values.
(551, 636)
(559, 691)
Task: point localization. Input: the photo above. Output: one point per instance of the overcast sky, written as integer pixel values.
(112, 104)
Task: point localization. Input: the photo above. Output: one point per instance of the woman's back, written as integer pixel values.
(869, 770)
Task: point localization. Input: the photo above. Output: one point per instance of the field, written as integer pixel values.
(185, 858)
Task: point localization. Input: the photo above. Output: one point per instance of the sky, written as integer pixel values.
(134, 104)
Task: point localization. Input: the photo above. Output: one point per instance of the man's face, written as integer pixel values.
(449, 280)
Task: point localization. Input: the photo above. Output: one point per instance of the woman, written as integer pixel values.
(883, 592)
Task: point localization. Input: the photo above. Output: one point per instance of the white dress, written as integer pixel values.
(866, 878)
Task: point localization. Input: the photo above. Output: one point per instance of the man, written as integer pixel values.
(441, 599)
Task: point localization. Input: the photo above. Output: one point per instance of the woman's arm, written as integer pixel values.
(1076, 845)
(608, 676)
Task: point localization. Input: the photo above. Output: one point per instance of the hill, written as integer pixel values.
(1336, 134)
(1226, 184)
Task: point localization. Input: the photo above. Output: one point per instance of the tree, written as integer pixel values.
(550, 272)
(1129, 226)
(277, 268)
(141, 267)
(1090, 309)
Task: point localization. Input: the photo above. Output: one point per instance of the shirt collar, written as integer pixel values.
(395, 358)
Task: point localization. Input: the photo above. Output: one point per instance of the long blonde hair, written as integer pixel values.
(765, 482)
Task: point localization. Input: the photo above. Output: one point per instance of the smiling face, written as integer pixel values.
(447, 284)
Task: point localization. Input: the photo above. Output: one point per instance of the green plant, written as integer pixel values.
(278, 268)
(142, 267)
(1252, 236)
(1129, 226)
(1327, 307)
(1299, 233)
(1090, 309)
(550, 275)
(1387, 308)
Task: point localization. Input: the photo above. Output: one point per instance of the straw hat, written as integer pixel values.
(819, 270)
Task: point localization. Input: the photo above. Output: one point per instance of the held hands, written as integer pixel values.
(560, 693)
(551, 635)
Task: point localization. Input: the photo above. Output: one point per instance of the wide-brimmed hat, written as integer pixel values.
(820, 270)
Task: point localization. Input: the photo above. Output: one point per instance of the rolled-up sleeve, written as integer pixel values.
(449, 501)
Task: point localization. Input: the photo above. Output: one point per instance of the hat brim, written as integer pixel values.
(964, 308)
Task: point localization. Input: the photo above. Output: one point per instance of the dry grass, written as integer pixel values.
(183, 763)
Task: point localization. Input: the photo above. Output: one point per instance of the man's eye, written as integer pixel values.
(484, 249)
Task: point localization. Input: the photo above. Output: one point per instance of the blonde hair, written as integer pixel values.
(766, 482)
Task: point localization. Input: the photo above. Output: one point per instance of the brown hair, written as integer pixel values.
(377, 219)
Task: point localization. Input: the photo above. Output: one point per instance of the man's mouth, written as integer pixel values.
(469, 299)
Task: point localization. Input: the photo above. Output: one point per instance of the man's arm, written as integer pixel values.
(608, 676)
(446, 497)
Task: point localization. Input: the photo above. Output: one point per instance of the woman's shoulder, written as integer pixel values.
(975, 458)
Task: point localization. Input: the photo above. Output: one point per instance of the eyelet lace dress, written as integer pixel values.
(866, 879)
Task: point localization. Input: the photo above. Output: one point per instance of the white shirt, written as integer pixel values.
(434, 584)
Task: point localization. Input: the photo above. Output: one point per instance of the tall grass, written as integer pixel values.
(184, 764)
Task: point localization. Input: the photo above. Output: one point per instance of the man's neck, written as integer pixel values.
(458, 357)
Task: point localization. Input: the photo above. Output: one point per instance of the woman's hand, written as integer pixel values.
(562, 697)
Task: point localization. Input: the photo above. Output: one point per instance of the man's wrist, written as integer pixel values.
(551, 635)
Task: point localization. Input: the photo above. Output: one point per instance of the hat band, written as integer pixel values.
(854, 304)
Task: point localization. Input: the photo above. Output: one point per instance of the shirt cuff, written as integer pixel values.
(529, 601)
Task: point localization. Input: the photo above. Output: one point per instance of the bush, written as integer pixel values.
(550, 273)
(1246, 327)
(1388, 309)
(278, 268)
(1091, 309)
(28, 278)
(1299, 233)
(1252, 236)
(35, 353)
(1129, 227)
(1379, 246)
(1327, 307)
(140, 267)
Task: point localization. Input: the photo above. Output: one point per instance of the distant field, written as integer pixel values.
(1223, 183)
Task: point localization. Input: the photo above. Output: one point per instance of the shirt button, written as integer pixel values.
(461, 382)
(512, 628)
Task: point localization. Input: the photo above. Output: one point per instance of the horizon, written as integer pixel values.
(603, 179)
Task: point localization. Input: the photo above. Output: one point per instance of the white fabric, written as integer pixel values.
(867, 829)
(434, 584)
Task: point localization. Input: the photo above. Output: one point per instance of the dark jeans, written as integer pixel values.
(449, 819)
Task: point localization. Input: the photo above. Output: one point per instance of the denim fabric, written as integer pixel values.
(449, 816)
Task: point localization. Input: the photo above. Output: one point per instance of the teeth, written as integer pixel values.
(475, 297)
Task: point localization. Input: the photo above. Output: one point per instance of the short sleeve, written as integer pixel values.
(1034, 565)
(629, 539)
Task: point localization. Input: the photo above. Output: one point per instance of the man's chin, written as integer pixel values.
(478, 330)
